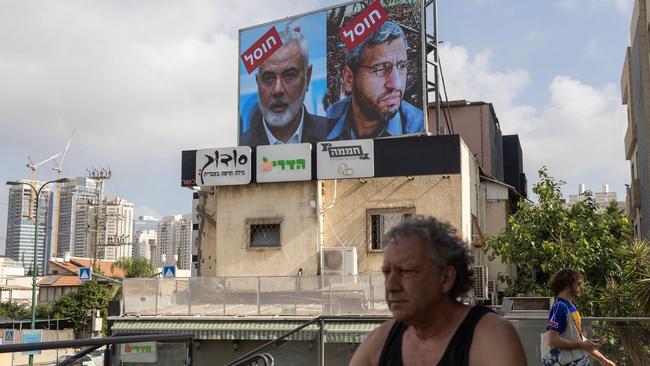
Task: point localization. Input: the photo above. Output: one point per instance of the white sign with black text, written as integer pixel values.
(223, 166)
(345, 159)
(283, 163)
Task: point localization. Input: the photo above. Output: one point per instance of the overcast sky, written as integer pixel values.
(140, 81)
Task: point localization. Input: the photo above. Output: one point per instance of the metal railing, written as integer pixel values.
(112, 356)
(292, 295)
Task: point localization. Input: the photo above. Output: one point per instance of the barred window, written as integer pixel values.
(263, 232)
(381, 221)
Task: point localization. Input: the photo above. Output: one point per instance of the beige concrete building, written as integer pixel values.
(281, 229)
(635, 88)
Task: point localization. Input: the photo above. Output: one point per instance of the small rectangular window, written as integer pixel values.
(263, 232)
(265, 235)
(381, 221)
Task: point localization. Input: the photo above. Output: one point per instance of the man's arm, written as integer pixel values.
(368, 352)
(496, 342)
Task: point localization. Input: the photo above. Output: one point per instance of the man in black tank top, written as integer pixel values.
(427, 268)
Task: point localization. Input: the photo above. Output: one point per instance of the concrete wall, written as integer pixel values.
(496, 216)
(230, 254)
(346, 213)
(329, 213)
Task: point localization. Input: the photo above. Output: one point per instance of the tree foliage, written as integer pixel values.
(14, 311)
(76, 305)
(134, 267)
(542, 238)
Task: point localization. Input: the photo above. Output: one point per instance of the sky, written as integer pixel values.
(140, 81)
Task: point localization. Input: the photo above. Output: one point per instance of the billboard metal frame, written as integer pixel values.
(428, 41)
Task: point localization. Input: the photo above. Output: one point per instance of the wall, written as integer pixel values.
(229, 255)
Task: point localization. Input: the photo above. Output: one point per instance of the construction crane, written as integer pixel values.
(58, 167)
(34, 167)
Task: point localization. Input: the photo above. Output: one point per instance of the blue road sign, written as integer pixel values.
(85, 273)
(9, 335)
(169, 271)
(31, 336)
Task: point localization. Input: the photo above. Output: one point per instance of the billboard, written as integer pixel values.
(353, 71)
(345, 159)
(223, 166)
(283, 163)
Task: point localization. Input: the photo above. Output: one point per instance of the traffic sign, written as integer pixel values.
(169, 271)
(85, 273)
(31, 336)
(9, 335)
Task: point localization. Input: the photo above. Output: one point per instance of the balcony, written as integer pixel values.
(630, 140)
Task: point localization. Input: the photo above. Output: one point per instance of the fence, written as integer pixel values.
(296, 295)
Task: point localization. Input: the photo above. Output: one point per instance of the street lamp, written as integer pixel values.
(35, 268)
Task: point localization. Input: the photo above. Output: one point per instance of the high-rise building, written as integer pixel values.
(174, 241)
(144, 244)
(143, 227)
(20, 225)
(108, 229)
(635, 89)
(76, 190)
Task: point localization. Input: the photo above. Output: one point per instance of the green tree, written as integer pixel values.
(76, 305)
(134, 267)
(542, 238)
(14, 311)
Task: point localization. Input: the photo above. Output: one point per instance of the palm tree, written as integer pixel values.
(134, 267)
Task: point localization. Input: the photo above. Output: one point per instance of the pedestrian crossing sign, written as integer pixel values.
(169, 271)
(85, 273)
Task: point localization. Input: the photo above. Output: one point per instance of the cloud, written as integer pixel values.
(578, 132)
(138, 81)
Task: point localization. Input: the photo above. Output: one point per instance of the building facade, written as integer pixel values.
(144, 244)
(108, 229)
(74, 193)
(144, 236)
(602, 198)
(174, 242)
(20, 225)
(635, 89)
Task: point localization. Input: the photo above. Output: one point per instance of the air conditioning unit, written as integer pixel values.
(481, 282)
(340, 261)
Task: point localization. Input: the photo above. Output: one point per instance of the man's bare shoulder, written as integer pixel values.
(368, 352)
(495, 335)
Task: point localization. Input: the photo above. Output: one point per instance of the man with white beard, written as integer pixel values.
(282, 81)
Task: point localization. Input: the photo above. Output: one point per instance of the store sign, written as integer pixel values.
(142, 352)
(283, 163)
(223, 166)
(345, 159)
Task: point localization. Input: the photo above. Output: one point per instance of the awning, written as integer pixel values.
(262, 330)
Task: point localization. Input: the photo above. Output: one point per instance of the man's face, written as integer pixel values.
(379, 97)
(576, 287)
(414, 285)
(282, 82)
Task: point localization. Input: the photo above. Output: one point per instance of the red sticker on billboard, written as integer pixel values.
(256, 54)
(363, 25)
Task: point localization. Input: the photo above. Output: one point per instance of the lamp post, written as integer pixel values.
(35, 267)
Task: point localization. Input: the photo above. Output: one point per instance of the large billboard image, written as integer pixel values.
(349, 72)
